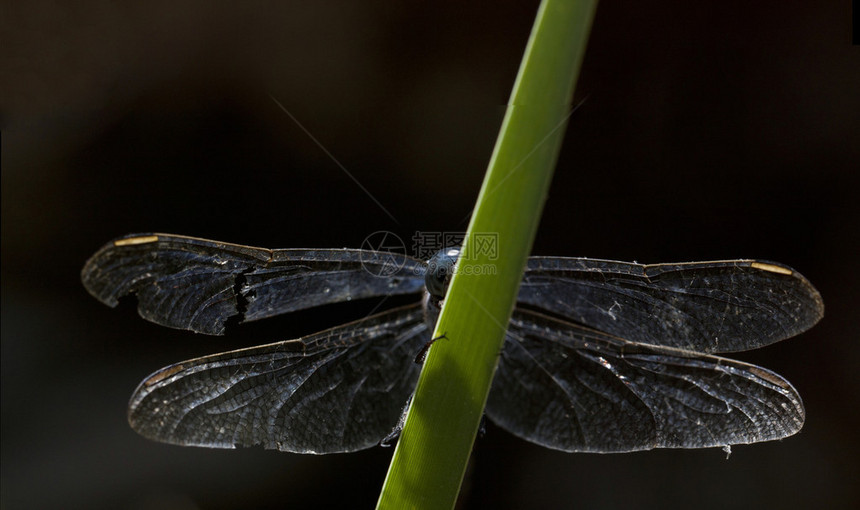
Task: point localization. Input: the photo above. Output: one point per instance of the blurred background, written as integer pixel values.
(711, 130)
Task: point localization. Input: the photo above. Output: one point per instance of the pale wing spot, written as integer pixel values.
(771, 268)
(135, 240)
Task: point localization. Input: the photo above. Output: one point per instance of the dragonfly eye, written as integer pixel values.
(440, 267)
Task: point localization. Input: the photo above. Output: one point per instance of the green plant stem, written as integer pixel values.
(434, 447)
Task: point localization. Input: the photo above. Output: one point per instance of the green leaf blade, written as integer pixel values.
(431, 455)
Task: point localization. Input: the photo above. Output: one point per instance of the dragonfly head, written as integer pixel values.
(440, 267)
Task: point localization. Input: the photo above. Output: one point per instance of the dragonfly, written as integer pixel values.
(599, 355)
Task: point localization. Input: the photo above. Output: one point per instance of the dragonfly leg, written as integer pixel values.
(422, 354)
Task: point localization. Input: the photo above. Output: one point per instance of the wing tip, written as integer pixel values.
(102, 277)
(813, 297)
(91, 273)
(137, 409)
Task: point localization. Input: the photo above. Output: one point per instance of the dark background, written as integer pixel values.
(711, 130)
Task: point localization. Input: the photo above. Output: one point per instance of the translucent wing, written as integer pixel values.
(340, 390)
(721, 306)
(195, 284)
(575, 389)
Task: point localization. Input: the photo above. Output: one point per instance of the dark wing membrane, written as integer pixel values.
(721, 306)
(575, 389)
(340, 390)
(195, 284)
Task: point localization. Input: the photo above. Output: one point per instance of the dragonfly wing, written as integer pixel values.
(721, 306)
(571, 388)
(339, 390)
(195, 284)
